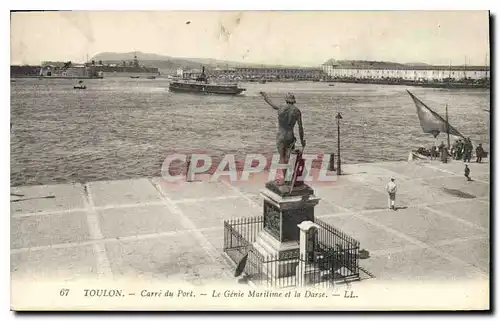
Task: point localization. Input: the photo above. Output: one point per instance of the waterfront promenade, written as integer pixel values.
(152, 230)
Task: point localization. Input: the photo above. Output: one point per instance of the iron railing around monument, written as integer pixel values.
(239, 235)
(334, 258)
(337, 252)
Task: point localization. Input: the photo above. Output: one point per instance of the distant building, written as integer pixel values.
(131, 68)
(24, 70)
(73, 71)
(53, 70)
(404, 72)
(269, 73)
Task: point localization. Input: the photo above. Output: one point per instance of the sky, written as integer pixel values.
(301, 38)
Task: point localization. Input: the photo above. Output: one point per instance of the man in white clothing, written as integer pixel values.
(391, 189)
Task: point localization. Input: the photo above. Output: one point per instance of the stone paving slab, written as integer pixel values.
(368, 235)
(212, 214)
(121, 222)
(474, 188)
(474, 211)
(64, 197)
(63, 264)
(327, 208)
(215, 236)
(474, 252)
(411, 170)
(371, 174)
(424, 226)
(458, 167)
(356, 198)
(375, 169)
(43, 230)
(483, 177)
(176, 257)
(252, 186)
(193, 190)
(417, 265)
(109, 193)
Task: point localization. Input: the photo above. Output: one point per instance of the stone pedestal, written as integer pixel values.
(283, 211)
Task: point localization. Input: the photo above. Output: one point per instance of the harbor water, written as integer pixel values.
(120, 128)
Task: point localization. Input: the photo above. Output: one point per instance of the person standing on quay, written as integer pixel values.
(391, 189)
(454, 148)
(467, 173)
(444, 152)
(460, 150)
(467, 150)
(434, 152)
(479, 153)
(464, 149)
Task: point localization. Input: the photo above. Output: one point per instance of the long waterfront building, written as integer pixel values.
(380, 70)
(295, 73)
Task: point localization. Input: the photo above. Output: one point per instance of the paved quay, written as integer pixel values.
(146, 228)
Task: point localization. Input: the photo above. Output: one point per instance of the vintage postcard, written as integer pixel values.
(250, 160)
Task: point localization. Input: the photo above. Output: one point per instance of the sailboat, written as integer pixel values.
(432, 123)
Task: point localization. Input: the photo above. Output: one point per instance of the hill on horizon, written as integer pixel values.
(417, 64)
(363, 63)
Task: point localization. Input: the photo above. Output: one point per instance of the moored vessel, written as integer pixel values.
(80, 85)
(133, 69)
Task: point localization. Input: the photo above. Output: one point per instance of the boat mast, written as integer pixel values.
(486, 64)
(449, 70)
(465, 68)
(447, 127)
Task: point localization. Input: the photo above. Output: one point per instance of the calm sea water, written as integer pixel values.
(124, 128)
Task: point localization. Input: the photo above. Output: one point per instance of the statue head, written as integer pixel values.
(290, 98)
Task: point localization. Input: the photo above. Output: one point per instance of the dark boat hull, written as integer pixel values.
(205, 89)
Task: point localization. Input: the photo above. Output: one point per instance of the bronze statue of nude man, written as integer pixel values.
(288, 116)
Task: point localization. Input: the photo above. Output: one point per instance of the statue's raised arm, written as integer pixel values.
(268, 100)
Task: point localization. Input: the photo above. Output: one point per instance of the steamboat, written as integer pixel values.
(201, 85)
